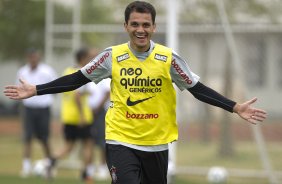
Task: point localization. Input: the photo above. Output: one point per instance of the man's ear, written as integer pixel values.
(154, 27)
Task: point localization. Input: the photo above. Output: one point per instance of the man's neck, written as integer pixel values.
(142, 55)
(33, 67)
(140, 52)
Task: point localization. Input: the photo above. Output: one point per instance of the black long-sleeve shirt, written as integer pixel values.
(77, 79)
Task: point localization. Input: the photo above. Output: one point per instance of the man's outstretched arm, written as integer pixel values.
(66, 83)
(244, 110)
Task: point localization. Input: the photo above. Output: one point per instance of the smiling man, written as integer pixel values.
(141, 120)
(140, 25)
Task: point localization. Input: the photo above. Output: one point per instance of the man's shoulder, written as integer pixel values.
(122, 45)
(23, 69)
(45, 66)
(110, 48)
(162, 49)
(161, 46)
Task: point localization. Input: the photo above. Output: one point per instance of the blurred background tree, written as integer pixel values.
(21, 26)
(22, 23)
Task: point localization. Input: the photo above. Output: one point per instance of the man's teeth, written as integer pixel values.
(138, 36)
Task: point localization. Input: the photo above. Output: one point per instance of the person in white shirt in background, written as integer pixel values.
(36, 112)
(99, 102)
(77, 119)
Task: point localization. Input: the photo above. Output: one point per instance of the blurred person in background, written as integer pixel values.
(76, 116)
(36, 111)
(141, 119)
(99, 102)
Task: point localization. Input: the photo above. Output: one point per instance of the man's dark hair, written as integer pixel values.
(31, 50)
(140, 7)
(81, 54)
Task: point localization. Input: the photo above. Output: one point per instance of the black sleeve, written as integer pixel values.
(63, 84)
(208, 95)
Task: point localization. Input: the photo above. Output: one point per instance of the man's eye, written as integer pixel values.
(146, 25)
(134, 24)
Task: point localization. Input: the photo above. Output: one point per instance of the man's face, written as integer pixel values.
(140, 28)
(33, 59)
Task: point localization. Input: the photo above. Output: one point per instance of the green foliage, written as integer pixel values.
(94, 12)
(21, 26)
(206, 11)
(62, 14)
(22, 22)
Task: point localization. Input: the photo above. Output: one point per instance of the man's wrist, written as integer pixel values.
(35, 90)
(236, 108)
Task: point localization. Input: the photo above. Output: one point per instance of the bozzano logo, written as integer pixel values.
(90, 69)
(180, 72)
(141, 116)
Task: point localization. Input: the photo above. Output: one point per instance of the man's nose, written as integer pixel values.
(140, 29)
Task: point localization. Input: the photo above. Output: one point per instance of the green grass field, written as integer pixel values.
(189, 153)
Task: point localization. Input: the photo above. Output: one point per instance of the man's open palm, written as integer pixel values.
(21, 91)
(249, 113)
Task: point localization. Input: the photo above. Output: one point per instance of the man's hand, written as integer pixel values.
(21, 91)
(82, 121)
(249, 113)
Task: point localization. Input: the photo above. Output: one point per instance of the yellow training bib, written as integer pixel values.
(69, 111)
(143, 98)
